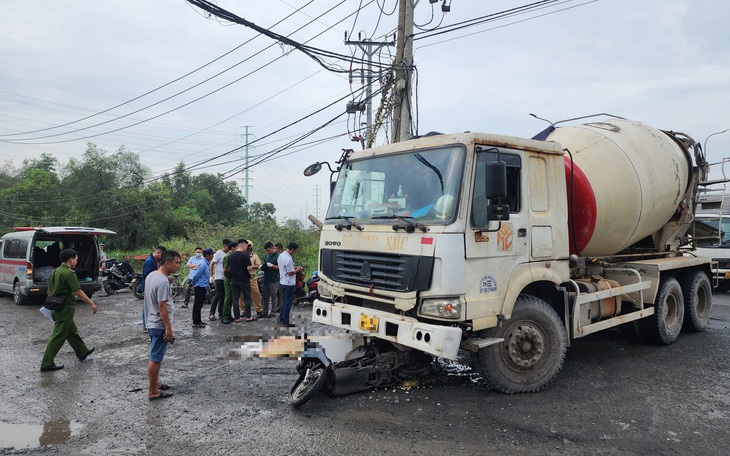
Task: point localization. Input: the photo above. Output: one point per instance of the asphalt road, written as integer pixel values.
(613, 396)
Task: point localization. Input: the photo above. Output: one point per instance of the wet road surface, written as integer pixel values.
(613, 396)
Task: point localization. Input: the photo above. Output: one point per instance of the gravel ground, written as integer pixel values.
(613, 396)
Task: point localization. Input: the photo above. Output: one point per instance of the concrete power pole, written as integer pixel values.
(369, 48)
(316, 200)
(404, 64)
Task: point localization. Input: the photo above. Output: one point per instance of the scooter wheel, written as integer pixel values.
(109, 289)
(312, 381)
(137, 292)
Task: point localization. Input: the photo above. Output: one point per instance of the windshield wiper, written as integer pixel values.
(410, 226)
(350, 223)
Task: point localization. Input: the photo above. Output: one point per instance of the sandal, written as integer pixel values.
(162, 395)
(164, 387)
(196, 325)
(250, 319)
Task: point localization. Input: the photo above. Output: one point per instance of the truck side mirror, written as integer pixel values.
(312, 169)
(496, 180)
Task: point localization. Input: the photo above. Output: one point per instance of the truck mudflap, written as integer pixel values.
(441, 341)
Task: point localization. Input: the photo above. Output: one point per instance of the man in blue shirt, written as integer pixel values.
(193, 264)
(150, 265)
(200, 278)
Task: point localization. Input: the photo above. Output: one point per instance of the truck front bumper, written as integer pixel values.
(441, 341)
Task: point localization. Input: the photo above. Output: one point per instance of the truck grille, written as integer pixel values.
(381, 270)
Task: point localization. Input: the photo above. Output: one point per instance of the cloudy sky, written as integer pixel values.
(77, 71)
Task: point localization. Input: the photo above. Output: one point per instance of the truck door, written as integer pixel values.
(492, 256)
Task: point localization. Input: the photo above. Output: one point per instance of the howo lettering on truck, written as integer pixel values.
(510, 248)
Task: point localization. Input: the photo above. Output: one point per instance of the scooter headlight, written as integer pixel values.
(442, 308)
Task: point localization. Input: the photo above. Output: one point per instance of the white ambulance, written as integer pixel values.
(28, 256)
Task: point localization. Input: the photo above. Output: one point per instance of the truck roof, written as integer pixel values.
(488, 139)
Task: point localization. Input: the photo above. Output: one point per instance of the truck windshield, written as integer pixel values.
(422, 185)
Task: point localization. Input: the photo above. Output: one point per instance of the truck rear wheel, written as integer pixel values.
(664, 326)
(697, 291)
(533, 350)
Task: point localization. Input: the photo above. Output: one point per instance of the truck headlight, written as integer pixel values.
(442, 307)
(324, 289)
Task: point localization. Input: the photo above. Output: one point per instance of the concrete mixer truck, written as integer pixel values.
(509, 248)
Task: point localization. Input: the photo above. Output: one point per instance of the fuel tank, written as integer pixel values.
(625, 181)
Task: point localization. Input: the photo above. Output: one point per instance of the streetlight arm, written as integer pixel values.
(704, 146)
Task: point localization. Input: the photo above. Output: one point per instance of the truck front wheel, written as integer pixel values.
(533, 350)
(697, 301)
(664, 326)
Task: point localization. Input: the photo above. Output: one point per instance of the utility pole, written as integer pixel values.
(404, 64)
(245, 178)
(316, 200)
(369, 48)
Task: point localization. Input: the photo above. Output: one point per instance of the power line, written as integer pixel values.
(199, 165)
(511, 23)
(482, 19)
(314, 53)
(154, 90)
(24, 140)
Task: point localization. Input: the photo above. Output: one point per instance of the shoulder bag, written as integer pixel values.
(54, 303)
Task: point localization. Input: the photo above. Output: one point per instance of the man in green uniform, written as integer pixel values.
(63, 283)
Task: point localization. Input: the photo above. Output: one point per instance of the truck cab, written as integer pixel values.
(411, 251)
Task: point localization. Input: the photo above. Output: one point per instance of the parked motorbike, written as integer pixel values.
(120, 275)
(312, 293)
(299, 290)
(375, 364)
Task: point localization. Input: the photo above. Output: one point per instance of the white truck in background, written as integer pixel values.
(712, 234)
(510, 248)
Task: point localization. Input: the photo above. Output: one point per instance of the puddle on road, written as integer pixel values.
(24, 436)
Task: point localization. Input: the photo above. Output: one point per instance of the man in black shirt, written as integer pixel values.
(239, 264)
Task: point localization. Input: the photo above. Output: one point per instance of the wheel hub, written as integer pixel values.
(525, 345)
(671, 312)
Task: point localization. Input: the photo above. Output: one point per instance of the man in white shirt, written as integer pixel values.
(216, 272)
(288, 281)
(102, 254)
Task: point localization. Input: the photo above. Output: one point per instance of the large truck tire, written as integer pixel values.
(533, 350)
(665, 325)
(697, 291)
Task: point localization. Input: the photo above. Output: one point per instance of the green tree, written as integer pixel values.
(216, 201)
(259, 212)
(28, 197)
